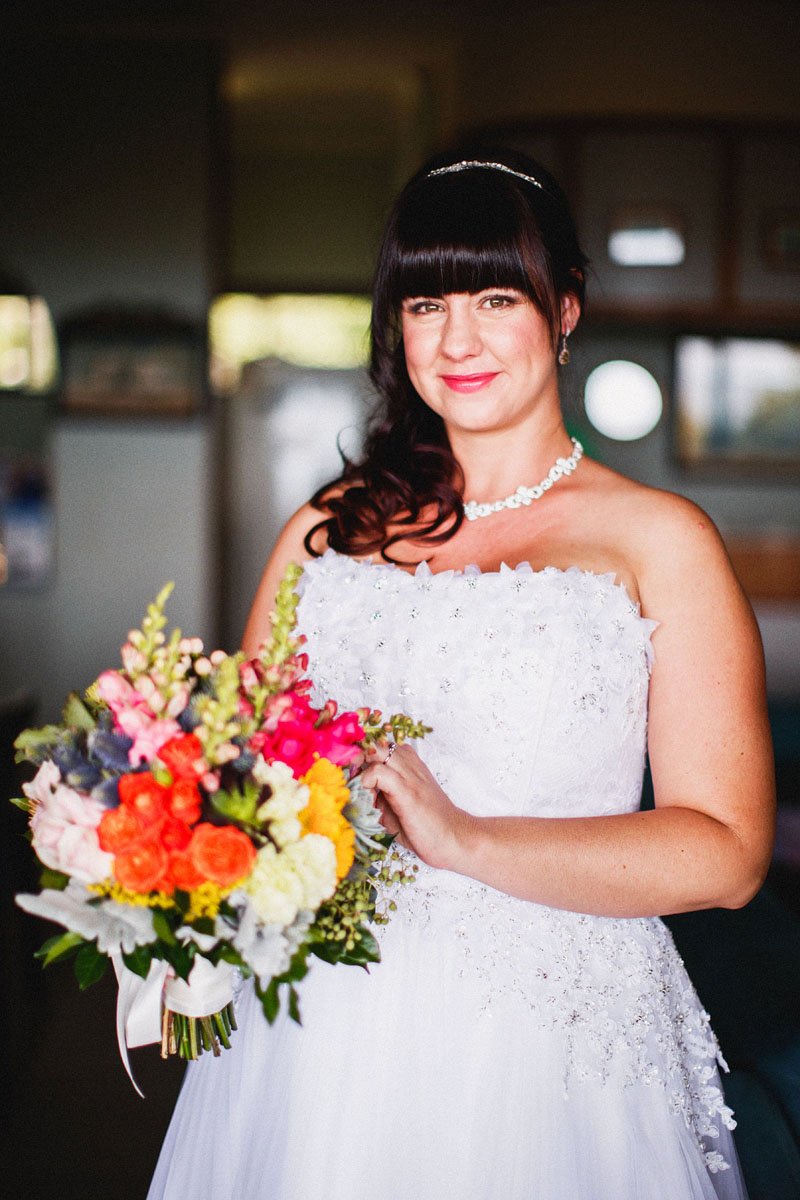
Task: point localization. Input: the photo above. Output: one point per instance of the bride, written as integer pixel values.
(531, 1031)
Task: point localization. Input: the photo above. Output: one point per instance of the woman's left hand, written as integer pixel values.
(414, 807)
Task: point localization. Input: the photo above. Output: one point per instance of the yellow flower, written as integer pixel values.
(328, 794)
(115, 891)
(204, 901)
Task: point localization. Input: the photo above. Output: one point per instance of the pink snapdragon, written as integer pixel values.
(149, 733)
(134, 716)
(119, 695)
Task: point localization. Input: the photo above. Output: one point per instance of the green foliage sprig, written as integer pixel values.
(398, 727)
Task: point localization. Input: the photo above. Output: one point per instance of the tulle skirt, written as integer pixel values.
(402, 1082)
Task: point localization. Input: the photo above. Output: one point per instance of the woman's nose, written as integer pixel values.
(460, 335)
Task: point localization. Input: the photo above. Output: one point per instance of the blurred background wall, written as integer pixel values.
(157, 157)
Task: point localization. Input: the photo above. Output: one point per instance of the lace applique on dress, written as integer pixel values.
(535, 683)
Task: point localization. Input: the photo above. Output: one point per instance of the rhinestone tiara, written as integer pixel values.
(468, 164)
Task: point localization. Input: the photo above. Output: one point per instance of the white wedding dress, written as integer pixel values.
(502, 1050)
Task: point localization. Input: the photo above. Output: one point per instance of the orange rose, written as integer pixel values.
(120, 830)
(146, 797)
(183, 757)
(175, 834)
(183, 873)
(184, 801)
(143, 868)
(221, 853)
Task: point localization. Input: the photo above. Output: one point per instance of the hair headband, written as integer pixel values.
(468, 163)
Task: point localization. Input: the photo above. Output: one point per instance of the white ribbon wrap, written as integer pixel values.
(139, 1001)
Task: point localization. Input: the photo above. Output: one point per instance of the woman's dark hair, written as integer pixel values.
(459, 231)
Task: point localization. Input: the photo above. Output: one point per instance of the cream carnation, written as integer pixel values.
(288, 798)
(314, 860)
(274, 887)
(284, 883)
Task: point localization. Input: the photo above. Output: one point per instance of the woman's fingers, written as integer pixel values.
(388, 819)
(382, 777)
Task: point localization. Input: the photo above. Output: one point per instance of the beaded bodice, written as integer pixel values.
(535, 682)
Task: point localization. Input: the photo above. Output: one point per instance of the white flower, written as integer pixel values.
(288, 798)
(284, 882)
(274, 887)
(64, 827)
(41, 787)
(715, 1162)
(264, 948)
(314, 859)
(115, 927)
(205, 941)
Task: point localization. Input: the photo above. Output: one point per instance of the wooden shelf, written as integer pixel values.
(768, 566)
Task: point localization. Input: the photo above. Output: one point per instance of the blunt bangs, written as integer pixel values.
(441, 268)
(460, 234)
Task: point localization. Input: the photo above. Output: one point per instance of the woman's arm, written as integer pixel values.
(288, 548)
(708, 842)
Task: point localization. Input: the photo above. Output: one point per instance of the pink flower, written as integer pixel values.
(64, 827)
(118, 694)
(250, 673)
(292, 742)
(295, 733)
(338, 739)
(149, 733)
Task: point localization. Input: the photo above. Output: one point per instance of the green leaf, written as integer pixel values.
(162, 927)
(33, 745)
(226, 953)
(270, 1000)
(363, 952)
(59, 946)
(238, 804)
(90, 965)
(294, 1005)
(24, 803)
(55, 880)
(77, 715)
(139, 960)
(180, 957)
(204, 925)
(298, 967)
(329, 952)
(369, 945)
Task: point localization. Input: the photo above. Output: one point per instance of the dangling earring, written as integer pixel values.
(563, 354)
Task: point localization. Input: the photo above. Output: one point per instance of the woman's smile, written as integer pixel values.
(469, 383)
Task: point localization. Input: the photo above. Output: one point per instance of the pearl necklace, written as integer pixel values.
(526, 495)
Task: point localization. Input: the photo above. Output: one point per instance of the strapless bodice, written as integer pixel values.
(535, 682)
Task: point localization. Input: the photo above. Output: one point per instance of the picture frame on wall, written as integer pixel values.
(132, 364)
(27, 522)
(736, 402)
(780, 238)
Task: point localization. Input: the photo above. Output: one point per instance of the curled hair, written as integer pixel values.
(462, 231)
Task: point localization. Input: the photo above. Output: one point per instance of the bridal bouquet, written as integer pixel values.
(199, 820)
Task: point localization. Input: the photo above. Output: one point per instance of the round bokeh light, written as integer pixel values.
(623, 400)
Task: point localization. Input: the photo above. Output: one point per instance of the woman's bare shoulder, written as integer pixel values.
(668, 540)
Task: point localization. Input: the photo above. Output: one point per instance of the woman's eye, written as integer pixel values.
(422, 306)
(499, 301)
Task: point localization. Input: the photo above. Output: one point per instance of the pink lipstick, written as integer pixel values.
(469, 383)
